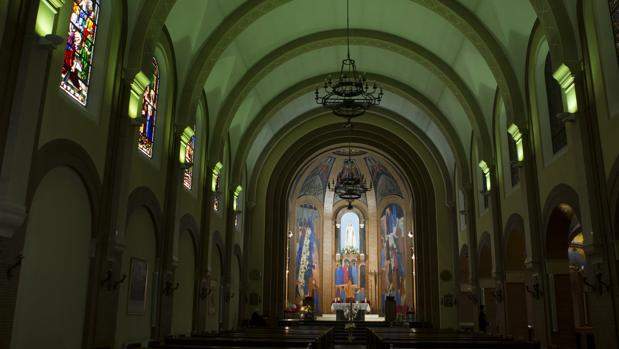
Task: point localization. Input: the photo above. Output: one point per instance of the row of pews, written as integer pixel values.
(314, 337)
(402, 337)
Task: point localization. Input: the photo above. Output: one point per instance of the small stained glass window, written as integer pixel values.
(148, 128)
(513, 160)
(555, 107)
(188, 171)
(79, 49)
(613, 6)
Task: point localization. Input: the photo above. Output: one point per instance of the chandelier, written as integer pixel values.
(350, 183)
(351, 94)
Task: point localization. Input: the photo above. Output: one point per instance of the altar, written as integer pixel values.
(341, 310)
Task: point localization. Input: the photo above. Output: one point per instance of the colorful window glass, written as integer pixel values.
(613, 6)
(216, 187)
(513, 160)
(79, 49)
(484, 190)
(188, 171)
(555, 106)
(148, 128)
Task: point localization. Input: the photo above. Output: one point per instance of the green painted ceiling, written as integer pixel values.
(191, 22)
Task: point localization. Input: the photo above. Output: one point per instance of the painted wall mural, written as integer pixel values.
(316, 182)
(383, 181)
(307, 275)
(393, 256)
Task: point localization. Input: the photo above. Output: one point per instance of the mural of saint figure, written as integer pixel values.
(354, 276)
(346, 272)
(339, 275)
(393, 248)
(362, 276)
(307, 257)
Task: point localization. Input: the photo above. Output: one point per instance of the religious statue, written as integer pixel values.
(351, 237)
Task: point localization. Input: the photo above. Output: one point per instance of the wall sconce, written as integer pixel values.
(110, 285)
(598, 285)
(473, 298)
(205, 289)
(168, 289)
(229, 296)
(448, 300)
(498, 294)
(535, 290)
(17, 264)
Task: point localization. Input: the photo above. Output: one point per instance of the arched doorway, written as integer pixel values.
(182, 315)
(138, 293)
(55, 268)
(566, 263)
(467, 308)
(486, 281)
(515, 277)
(235, 279)
(214, 314)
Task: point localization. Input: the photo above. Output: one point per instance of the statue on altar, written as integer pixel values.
(351, 237)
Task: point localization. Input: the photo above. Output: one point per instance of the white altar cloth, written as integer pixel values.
(356, 306)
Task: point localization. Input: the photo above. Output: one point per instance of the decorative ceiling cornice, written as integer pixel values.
(358, 37)
(304, 87)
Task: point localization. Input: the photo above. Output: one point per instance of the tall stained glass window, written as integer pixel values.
(148, 128)
(555, 106)
(188, 171)
(613, 6)
(79, 48)
(513, 159)
(216, 187)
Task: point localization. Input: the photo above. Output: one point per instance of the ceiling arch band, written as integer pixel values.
(392, 123)
(153, 14)
(358, 37)
(405, 91)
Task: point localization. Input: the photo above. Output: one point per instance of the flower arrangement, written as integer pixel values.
(350, 250)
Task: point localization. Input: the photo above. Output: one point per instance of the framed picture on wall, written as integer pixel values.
(138, 284)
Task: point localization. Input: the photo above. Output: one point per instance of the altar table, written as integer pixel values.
(361, 308)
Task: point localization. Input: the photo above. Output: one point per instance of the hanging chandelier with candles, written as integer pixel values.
(351, 94)
(350, 183)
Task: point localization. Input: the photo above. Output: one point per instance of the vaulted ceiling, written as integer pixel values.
(440, 61)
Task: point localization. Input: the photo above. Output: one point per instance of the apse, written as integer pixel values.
(340, 250)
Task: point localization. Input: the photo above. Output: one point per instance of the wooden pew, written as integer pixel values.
(315, 338)
(388, 338)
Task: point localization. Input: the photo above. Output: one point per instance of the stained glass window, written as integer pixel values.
(79, 49)
(188, 171)
(484, 189)
(216, 187)
(613, 6)
(513, 159)
(148, 128)
(555, 106)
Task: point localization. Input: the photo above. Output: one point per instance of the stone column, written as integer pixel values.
(23, 96)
